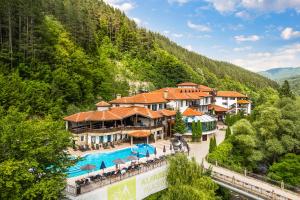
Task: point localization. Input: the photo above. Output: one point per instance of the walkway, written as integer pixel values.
(260, 188)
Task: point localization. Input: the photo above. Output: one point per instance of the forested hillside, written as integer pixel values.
(63, 55)
(294, 82)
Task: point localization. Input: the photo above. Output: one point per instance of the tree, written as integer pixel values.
(212, 144)
(196, 131)
(33, 160)
(287, 169)
(179, 126)
(228, 132)
(187, 180)
(285, 90)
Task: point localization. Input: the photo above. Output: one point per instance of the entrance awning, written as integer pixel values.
(139, 134)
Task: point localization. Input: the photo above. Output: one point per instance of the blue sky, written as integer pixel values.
(254, 34)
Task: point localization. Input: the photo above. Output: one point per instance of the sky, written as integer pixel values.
(254, 34)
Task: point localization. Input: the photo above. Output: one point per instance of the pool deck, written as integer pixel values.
(159, 148)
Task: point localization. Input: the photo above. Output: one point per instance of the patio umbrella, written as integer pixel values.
(88, 167)
(138, 156)
(102, 166)
(170, 147)
(155, 151)
(131, 158)
(164, 149)
(147, 154)
(177, 135)
(118, 161)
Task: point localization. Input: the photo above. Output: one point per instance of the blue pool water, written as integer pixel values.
(96, 159)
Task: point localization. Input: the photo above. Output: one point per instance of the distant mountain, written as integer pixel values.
(281, 73)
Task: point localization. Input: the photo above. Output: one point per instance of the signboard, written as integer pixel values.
(134, 188)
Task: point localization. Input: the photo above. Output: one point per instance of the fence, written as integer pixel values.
(260, 177)
(75, 190)
(259, 191)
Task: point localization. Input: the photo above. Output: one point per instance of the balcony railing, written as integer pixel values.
(85, 129)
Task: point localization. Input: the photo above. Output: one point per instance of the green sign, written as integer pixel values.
(125, 190)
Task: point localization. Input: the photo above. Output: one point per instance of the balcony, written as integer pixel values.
(85, 129)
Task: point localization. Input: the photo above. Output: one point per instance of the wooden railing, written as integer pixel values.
(85, 129)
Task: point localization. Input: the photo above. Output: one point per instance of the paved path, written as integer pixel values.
(200, 150)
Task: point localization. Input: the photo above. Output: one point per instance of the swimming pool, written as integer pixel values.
(97, 158)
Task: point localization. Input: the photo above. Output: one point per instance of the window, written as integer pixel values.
(224, 98)
(232, 98)
(82, 138)
(225, 103)
(160, 106)
(100, 139)
(93, 139)
(154, 107)
(149, 106)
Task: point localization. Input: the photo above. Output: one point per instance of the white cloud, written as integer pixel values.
(137, 21)
(289, 33)
(180, 2)
(243, 14)
(166, 32)
(177, 35)
(244, 38)
(271, 5)
(123, 5)
(189, 47)
(198, 27)
(257, 5)
(224, 5)
(282, 57)
(240, 49)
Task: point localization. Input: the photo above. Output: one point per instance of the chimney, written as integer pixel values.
(165, 94)
(119, 96)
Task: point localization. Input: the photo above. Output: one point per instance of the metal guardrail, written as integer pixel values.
(73, 190)
(263, 178)
(259, 191)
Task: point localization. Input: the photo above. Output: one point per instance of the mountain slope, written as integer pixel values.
(62, 55)
(281, 73)
(215, 69)
(294, 82)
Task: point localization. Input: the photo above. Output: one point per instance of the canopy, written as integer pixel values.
(88, 167)
(131, 158)
(139, 134)
(119, 161)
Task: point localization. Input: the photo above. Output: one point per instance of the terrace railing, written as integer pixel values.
(94, 129)
(78, 190)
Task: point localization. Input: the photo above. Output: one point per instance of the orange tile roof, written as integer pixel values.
(191, 112)
(103, 104)
(117, 113)
(243, 101)
(217, 108)
(79, 117)
(167, 113)
(139, 134)
(143, 98)
(229, 94)
(204, 88)
(187, 84)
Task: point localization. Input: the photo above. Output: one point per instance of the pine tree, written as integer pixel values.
(194, 131)
(285, 90)
(212, 144)
(228, 132)
(199, 130)
(179, 126)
